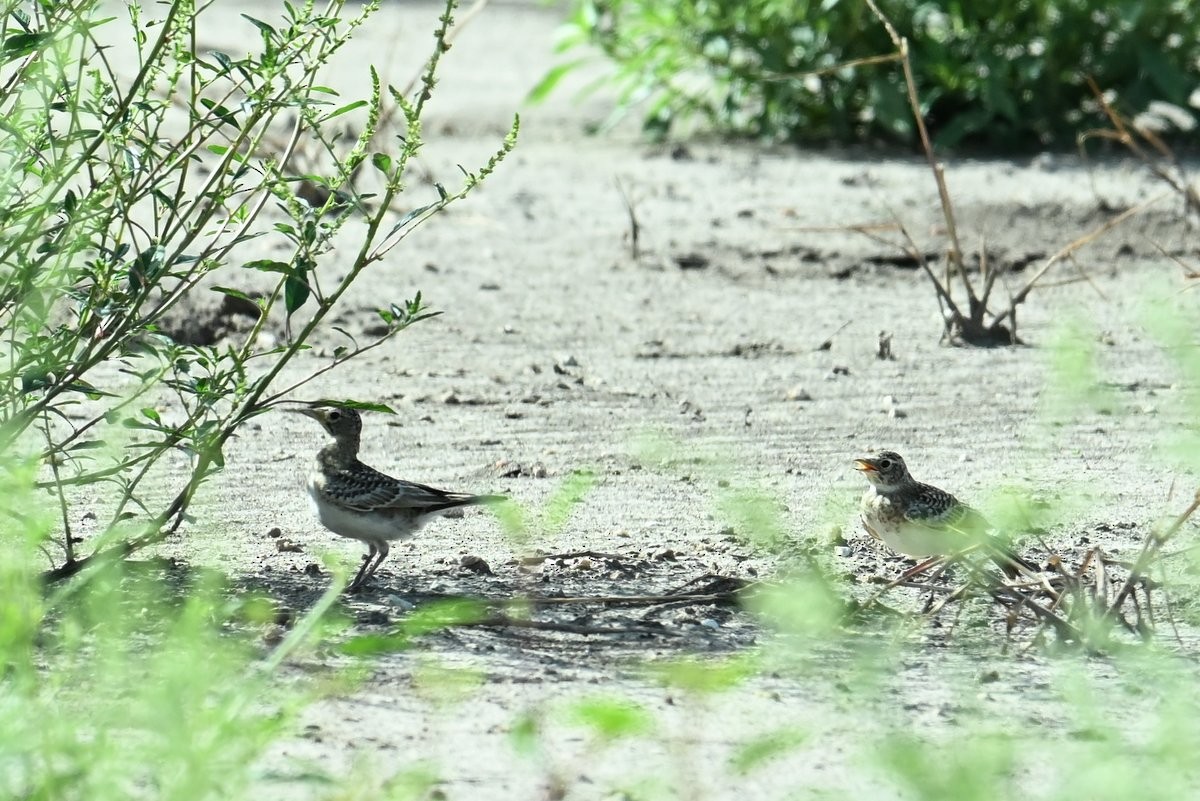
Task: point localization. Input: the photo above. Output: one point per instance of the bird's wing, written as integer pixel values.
(366, 489)
(937, 508)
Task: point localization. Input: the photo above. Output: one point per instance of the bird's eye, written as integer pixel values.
(334, 414)
(885, 463)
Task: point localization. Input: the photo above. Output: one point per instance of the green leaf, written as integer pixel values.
(236, 293)
(362, 406)
(373, 644)
(570, 494)
(346, 334)
(524, 734)
(147, 267)
(262, 26)
(343, 110)
(440, 615)
(219, 111)
(764, 747)
(382, 162)
(269, 266)
(611, 719)
(704, 676)
(222, 150)
(551, 79)
(407, 218)
(22, 44)
(296, 292)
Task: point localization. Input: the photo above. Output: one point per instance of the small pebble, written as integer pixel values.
(798, 393)
(400, 603)
(476, 565)
(373, 617)
(892, 407)
(843, 551)
(884, 347)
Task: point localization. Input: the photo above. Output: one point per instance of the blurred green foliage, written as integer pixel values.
(1005, 75)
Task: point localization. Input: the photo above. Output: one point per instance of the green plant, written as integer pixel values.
(102, 698)
(527, 526)
(125, 198)
(1003, 75)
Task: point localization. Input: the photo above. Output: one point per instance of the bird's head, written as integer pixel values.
(885, 470)
(340, 422)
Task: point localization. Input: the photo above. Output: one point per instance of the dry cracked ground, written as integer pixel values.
(736, 351)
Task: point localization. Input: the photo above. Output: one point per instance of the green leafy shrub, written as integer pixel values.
(136, 173)
(1003, 75)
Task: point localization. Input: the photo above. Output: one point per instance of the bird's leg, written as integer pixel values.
(918, 569)
(359, 577)
(383, 548)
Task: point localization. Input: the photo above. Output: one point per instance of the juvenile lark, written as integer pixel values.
(357, 501)
(919, 520)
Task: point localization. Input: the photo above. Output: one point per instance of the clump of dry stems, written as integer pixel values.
(972, 318)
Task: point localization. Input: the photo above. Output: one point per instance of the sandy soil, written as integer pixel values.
(675, 376)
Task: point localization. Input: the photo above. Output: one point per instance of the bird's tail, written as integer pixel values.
(1009, 560)
(452, 500)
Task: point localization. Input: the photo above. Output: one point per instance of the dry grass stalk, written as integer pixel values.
(1137, 138)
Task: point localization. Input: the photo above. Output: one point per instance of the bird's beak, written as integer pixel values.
(865, 466)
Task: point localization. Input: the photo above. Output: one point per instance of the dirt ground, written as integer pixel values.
(678, 376)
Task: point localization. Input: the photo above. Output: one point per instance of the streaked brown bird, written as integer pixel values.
(919, 520)
(354, 500)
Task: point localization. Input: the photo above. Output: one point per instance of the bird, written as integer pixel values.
(919, 520)
(356, 501)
